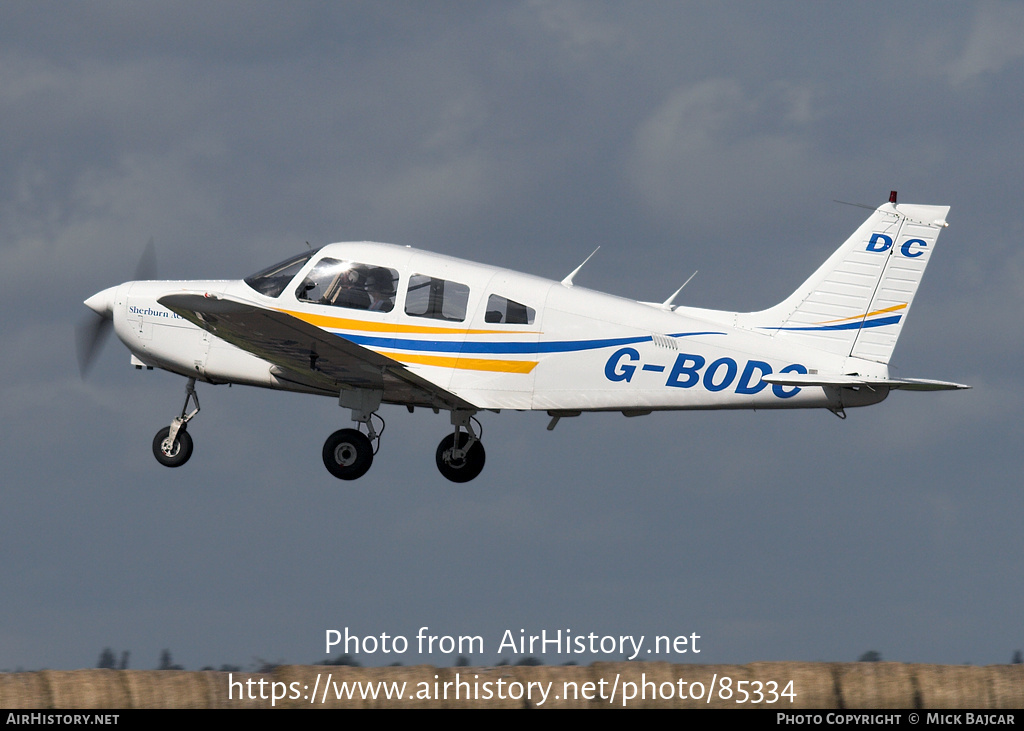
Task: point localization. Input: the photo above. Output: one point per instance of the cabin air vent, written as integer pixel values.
(664, 341)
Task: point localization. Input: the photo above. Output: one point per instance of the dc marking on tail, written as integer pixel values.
(881, 242)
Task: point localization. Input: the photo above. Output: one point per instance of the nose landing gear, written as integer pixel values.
(172, 445)
(172, 452)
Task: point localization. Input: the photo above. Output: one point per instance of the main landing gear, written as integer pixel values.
(465, 461)
(348, 453)
(172, 445)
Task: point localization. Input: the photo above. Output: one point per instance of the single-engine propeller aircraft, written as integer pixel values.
(372, 324)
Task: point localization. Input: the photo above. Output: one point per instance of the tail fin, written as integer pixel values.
(855, 304)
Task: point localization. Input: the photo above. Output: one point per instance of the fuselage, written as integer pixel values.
(498, 339)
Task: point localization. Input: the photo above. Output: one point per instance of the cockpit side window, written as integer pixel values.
(272, 280)
(349, 284)
(438, 299)
(508, 312)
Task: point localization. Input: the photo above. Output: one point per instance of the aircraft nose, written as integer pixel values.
(102, 303)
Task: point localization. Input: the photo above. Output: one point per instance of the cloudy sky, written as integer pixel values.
(678, 137)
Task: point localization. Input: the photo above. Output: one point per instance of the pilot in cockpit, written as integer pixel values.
(350, 289)
(380, 286)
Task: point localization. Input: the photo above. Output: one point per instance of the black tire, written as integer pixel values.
(179, 452)
(469, 467)
(348, 454)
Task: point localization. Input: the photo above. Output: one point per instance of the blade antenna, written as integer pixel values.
(667, 304)
(568, 280)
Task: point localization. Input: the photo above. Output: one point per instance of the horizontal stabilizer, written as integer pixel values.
(841, 381)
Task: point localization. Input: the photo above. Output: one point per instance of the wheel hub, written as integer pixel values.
(455, 458)
(345, 454)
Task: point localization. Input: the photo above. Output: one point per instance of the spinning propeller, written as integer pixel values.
(92, 332)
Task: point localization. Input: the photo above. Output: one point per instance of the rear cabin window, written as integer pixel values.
(438, 299)
(349, 284)
(508, 312)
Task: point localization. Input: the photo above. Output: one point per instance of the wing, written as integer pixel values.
(306, 355)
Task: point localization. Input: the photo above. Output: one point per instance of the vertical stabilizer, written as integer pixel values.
(856, 303)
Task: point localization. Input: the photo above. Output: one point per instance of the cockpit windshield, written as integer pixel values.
(272, 280)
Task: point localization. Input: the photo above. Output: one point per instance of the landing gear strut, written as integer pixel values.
(348, 453)
(172, 445)
(460, 456)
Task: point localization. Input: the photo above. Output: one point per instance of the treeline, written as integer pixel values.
(111, 661)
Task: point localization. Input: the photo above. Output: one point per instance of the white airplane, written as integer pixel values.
(372, 324)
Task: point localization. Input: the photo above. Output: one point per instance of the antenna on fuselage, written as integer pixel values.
(667, 304)
(855, 205)
(568, 280)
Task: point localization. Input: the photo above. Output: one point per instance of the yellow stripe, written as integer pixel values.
(469, 364)
(385, 327)
(868, 314)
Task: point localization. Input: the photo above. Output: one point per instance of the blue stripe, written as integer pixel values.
(456, 346)
(684, 335)
(495, 348)
(892, 320)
